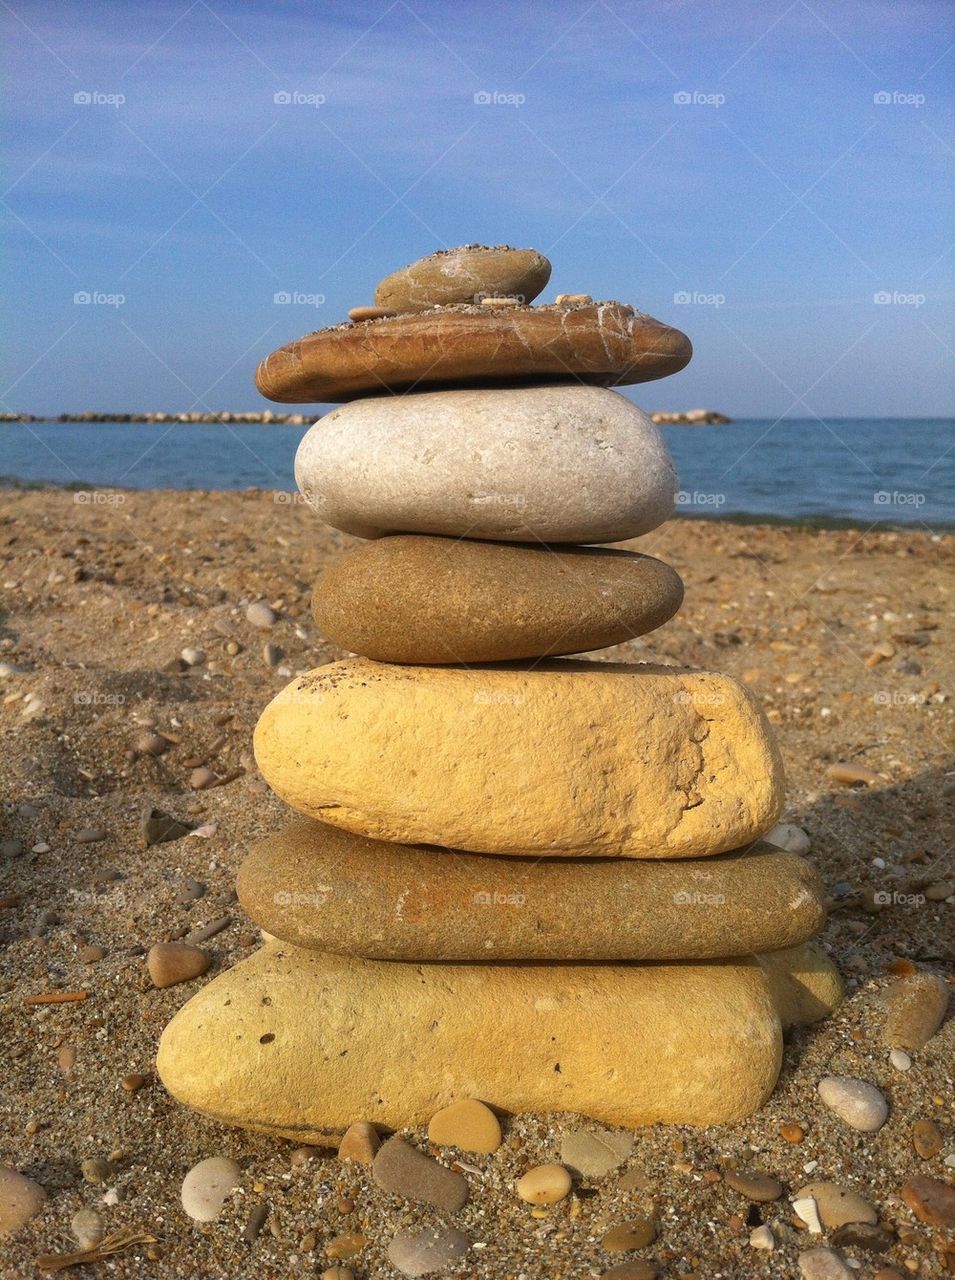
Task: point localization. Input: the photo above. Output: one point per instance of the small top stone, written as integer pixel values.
(468, 1125)
(172, 962)
(206, 1187)
(20, 1200)
(465, 275)
(858, 1103)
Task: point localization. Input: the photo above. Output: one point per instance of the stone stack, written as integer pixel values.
(520, 877)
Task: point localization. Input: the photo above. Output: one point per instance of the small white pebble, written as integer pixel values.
(41, 848)
(900, 1060)
(879, 862)
(111, 1197)
(762, 1238)
(811, 1166)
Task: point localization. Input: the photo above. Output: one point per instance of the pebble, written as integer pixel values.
(940, 891)
(357, 314)
(20, 1200)
(433, 1250)
(836, 1205)
(272, 654)
(793, 1133)
(468, 1125)
(926, 1138)
(359, 1142)
(172, 962)
(635, 1234)
(97, 1170)
(869, 1237)
(191, 891)
(823, 1264)
(637, 1270)
(545, 1184)
(932, 1201)
(66, 1058)
(151, 744)
(900, 1060)
(786, 835)
(206, 1187)
(572, 299)
(594, 1152)
(202, 778)
(255, 1222)
(914, 1008)
(338, 1273)
(260, 615)
(87, 1227)
(857, 1102)
(193, 657)
(852, 775)
(405, 1171)
(762, 1238)
(346, 1246)
(759, 1187)
(89, 835)
(133, 1082)
(90, 954)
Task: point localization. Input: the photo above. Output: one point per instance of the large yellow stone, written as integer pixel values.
(566, 758)
(301, 1044)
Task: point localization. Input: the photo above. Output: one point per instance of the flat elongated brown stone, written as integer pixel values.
(436, 600)
(324, 888)
(607, 344)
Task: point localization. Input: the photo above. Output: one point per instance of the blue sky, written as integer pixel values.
(780, 164)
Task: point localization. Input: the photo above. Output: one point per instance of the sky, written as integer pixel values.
(774, 177)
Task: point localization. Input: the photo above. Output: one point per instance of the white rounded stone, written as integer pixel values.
(558, 463)
(857, 1102)
(786, 835)
(206, 1187)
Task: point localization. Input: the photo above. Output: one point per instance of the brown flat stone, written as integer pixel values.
(606, 344)
(407, 1172)
(419, 599)
(327, 889)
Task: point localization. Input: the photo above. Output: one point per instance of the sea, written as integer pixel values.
(843, 472)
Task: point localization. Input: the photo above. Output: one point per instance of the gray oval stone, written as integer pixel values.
(430, 1251)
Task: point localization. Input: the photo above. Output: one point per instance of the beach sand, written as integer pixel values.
(103, 591)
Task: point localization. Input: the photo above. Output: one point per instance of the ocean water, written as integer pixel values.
(862, 471)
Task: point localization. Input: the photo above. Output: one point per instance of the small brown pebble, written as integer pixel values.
(635, 1234)
(309, 1242)
(357, 314)
(133, 1082)
(932, 1201)
(302, 1156)
(66, 1058)
(202, 779)
(712, 1175)
(153, 1252)
(405, 1171)
(468, 1125)
(338, 1273)
(151, 744)
(794, 1133)
(89, 835)
(914, 1009)
(633, 1180)
(172, 962)
(887, 1273)
(347, 1246)
(758, 1187)
(345, 1205)
(544, 1184)
(90, 954)
(852, 775)
(96, 1170)
(256, 1221)
(902, 968)
(736, 1223)
(926, 1138)
(359, 1142)
(869, 1237)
